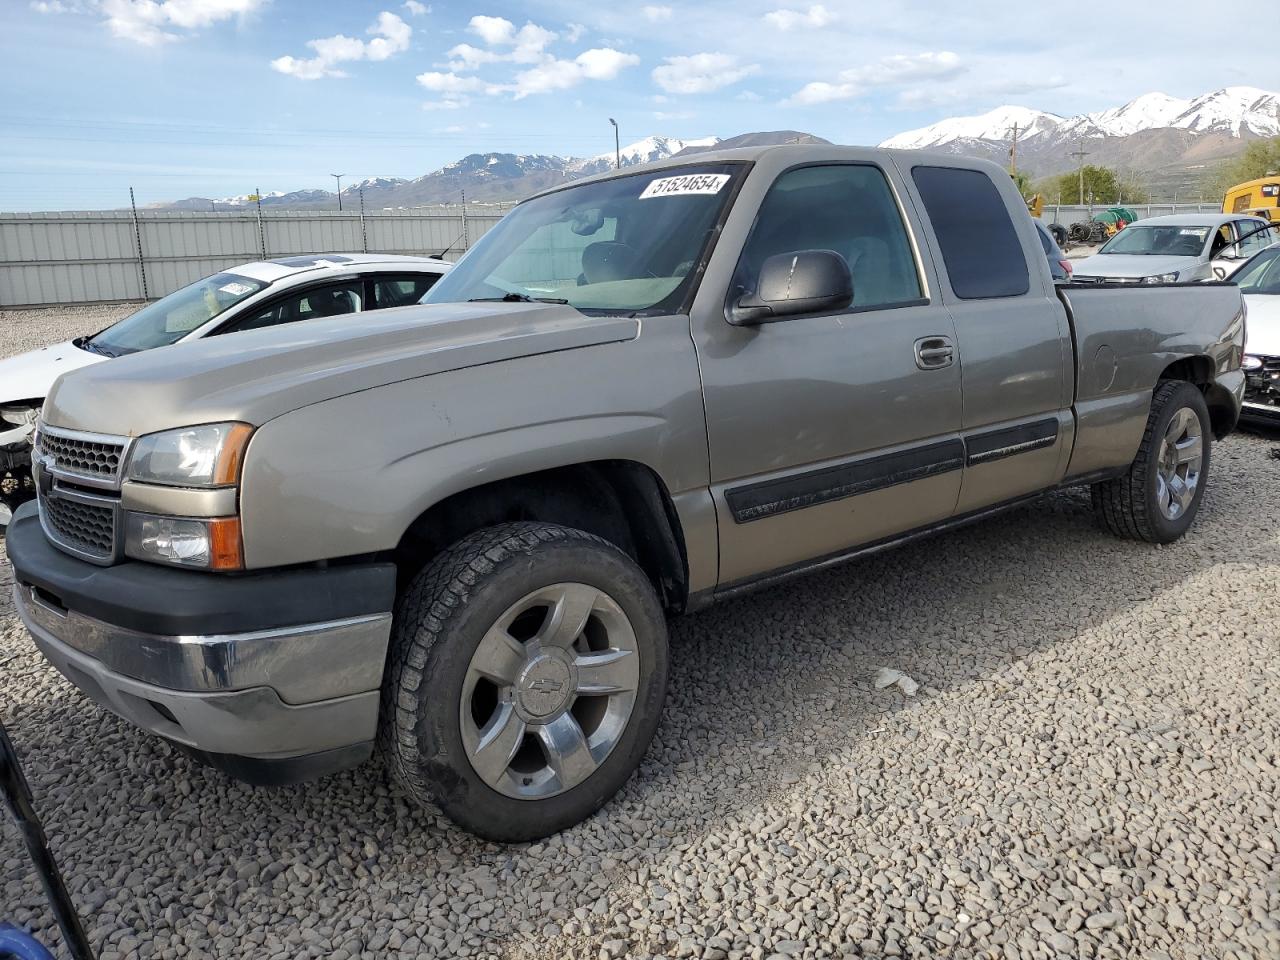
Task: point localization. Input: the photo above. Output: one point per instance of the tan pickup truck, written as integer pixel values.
(457, 529)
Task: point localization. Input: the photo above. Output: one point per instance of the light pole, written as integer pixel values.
(617, 146)
(338, 177)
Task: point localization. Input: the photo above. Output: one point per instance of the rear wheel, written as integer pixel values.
(1159, 497)
(526, 679)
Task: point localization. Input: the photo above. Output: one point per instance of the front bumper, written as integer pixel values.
(272, 677)
(1262, 392)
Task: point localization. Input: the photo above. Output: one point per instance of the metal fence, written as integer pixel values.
(1067, 214)
(87, 257)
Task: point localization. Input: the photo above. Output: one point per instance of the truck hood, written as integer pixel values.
(1262, 325)
(28, 376)
(1129, 265)
(258, 375)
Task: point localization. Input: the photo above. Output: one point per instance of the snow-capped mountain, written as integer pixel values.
(374, 183)
(647, 150)
(1234, 111)
(996, 124)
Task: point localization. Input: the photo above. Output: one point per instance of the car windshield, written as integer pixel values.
(1261, 274)
(631, 244)
(1166, 240)
(171, 318)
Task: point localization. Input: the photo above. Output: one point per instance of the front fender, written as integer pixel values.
(348, 476)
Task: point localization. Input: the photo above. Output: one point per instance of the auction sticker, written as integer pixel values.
(689, 183)
(235, 288)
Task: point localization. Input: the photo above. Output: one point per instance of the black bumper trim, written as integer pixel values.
(259, 772)
(153, 599)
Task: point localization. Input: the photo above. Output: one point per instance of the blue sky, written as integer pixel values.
(217, 97)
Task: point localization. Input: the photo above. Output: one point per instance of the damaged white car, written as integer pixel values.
(264, 293)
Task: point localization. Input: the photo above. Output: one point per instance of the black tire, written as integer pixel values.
(1128, 506)
(441, 619)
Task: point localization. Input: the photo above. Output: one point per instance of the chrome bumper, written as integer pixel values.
(270, 694)
(1252, 410)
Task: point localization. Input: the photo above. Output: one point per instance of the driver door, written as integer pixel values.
(828, 430)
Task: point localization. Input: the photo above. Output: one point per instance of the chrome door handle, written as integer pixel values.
(934, 353)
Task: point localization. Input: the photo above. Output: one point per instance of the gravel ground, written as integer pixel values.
(1088, 769)
(23, 330)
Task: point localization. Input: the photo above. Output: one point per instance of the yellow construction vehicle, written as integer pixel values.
(1259, 198)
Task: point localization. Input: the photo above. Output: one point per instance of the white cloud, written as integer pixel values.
(451, 84)
(600, 64)
(748, 96)
(526, 45)
(417, 9)
(58, 6)
(815, 17)
(896, 70)
(152, 22)
(908, 68)
(656, 14)
(574, 33)
(701, 73)
(493, 30)
(390, 34)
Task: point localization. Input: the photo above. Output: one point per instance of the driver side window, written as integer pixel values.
(313, 303)
(845, 208)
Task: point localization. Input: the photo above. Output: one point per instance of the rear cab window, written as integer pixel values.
(978, 241)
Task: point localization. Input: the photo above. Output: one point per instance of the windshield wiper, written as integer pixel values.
(516, 298)
(85, 343)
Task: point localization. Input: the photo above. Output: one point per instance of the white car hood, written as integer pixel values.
(29, 376)
(1134, 265)
(1262, 325)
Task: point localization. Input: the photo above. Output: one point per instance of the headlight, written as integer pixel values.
(204, 456)
(1162, 278)
(1251, 363)
(207, 544)
(19, 416)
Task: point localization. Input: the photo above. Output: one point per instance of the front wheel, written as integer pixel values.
(527, 675)
(1159, 497)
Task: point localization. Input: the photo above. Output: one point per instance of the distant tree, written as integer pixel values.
(1023, 182)
(1260, 158)
(1101, 184)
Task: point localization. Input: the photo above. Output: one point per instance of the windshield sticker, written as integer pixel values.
(1191, 232)
(690, 183)
(235, 289)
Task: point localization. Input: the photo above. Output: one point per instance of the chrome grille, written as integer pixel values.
(87, 528)
(78, 490)
(82, 455)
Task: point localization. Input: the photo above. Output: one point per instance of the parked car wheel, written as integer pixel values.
(526, 679)
(1159, 497)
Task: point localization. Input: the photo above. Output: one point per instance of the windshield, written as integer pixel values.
(1261, 274)
(627, 245)
(1169, 240)
(171, 318)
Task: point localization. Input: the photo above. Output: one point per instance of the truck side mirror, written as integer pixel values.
(805, 281)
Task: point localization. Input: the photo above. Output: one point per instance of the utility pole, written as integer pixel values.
(617, 146)
(1080, 153)
(1013, 151)
(338, 177)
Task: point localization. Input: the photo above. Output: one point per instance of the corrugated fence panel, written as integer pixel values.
(83, 257)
